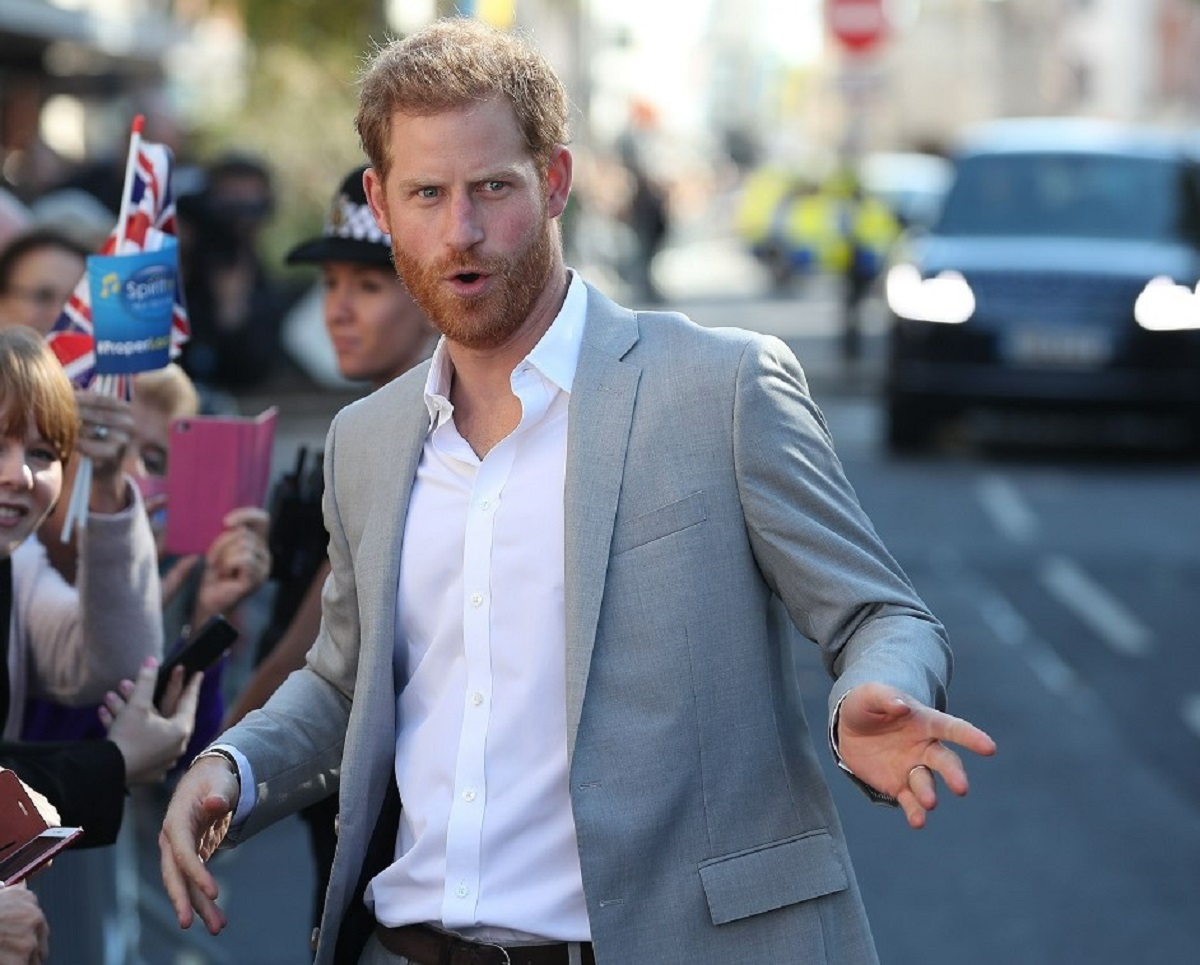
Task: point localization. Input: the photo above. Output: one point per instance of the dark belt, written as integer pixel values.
(427, 946)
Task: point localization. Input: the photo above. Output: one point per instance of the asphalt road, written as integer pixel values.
(1067, 584)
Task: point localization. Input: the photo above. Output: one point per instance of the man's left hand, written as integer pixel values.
(896, 744)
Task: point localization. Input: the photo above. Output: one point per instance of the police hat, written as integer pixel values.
(350, 232)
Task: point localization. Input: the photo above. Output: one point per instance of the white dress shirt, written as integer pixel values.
(486, 843)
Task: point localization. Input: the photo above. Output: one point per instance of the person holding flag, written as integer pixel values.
(70, 643)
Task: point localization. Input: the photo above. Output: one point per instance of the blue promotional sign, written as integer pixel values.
(133, 297)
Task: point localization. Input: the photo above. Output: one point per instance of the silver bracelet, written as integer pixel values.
(225, 756)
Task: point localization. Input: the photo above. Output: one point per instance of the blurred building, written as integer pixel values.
(951, 63)
(63, 65)
(946, 64)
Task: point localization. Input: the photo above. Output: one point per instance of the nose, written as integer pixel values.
(337, 304)
(465, 229)
(14, 469)
(132, 463)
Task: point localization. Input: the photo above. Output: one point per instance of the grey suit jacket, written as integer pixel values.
(709, 529)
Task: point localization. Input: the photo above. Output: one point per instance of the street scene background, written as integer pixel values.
(1066, 574)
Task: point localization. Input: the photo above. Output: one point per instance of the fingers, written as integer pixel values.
(915, 813)
(966, 734)
(196, 814)
(210, 912)
(240, 552)
(946, 730)
(170, 697)
(949, 768)
(106, 426)
(253, 518)
(115, 700)
(918, 796)
(185, 711)
(48, 811)
(173, 881)
(141, 693)
(921, 784)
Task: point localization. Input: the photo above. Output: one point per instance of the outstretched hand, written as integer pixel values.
(896, 744)
(195, 824)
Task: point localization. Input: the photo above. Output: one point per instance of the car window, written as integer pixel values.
(1072, 195)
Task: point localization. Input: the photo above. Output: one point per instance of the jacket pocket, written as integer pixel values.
(773, 876)
(676, 516)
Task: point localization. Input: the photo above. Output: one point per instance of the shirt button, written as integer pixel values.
(485, 504)
(477, 698)
(462, 891)
(468, 796)
(476, 599)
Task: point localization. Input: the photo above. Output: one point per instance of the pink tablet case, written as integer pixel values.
(215, 464)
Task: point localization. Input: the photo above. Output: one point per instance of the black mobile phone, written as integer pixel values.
(199, 653)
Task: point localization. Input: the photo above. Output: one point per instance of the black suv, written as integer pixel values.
(1061, 275)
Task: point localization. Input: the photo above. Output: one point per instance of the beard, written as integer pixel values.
(488, 320)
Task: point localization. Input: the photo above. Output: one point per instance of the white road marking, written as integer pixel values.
(1107, 617)
(1008, 511)
(1191, 713)
(1013, 629)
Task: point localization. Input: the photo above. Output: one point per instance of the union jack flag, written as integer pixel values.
(150, 216)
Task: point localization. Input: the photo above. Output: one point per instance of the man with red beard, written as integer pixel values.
(570, 557)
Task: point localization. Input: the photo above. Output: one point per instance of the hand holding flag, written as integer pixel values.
(127, 292)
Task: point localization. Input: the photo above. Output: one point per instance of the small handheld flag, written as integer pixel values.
(126, 314)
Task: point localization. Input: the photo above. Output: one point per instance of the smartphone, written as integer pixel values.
(199, 653)
(26, 859)
(26, 843)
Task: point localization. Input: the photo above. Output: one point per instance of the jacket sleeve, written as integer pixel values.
(815, 545)
(82, 640)
(84, 780)
(294, 743)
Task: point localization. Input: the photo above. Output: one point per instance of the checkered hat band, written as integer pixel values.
(350, 220)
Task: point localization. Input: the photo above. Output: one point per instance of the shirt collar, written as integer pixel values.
(555, 356)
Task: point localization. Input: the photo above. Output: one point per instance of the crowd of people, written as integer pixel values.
(93, 615)
(540, 587)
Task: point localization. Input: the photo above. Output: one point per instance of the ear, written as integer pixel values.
(558, 180)
(376, 199)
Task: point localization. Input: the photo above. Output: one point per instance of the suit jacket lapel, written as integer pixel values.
(377, 566)
(601, 412)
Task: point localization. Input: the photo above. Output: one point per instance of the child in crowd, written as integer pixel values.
(69, 642)
(75, 643)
